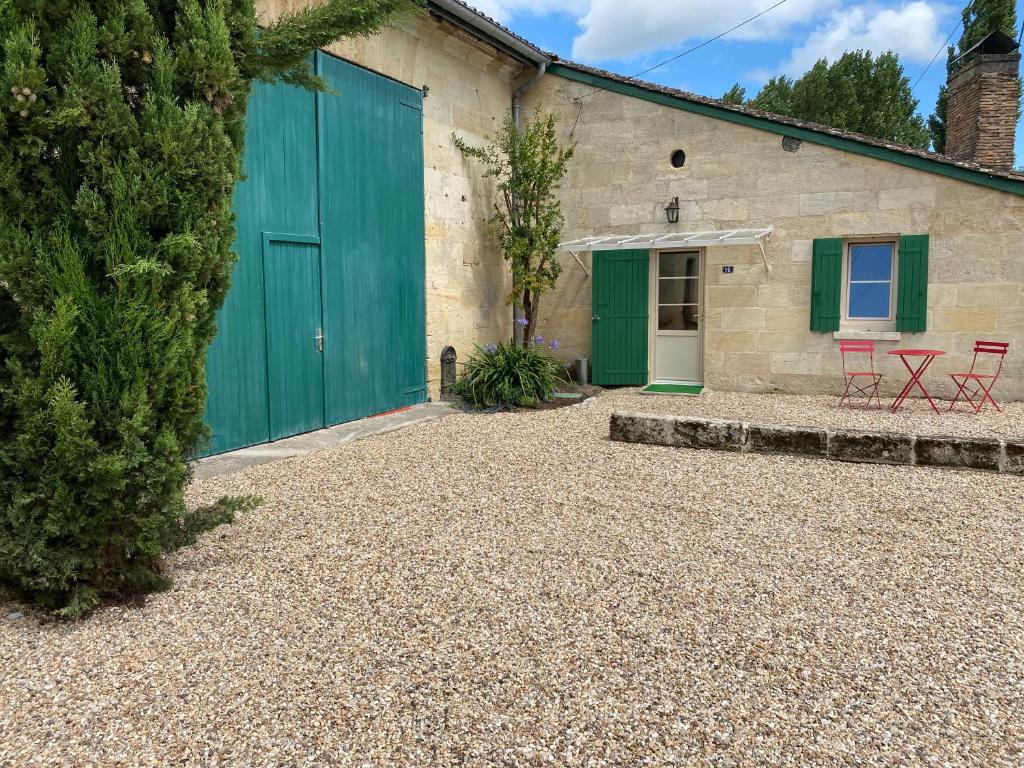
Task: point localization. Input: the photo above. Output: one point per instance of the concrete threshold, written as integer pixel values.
(300, 445)
(950, 451)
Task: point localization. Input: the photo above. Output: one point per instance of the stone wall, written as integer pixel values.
(756, 331)
(470, 91)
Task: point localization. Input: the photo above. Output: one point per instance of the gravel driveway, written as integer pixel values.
(516, 590)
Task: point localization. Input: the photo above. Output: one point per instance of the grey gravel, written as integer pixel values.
(15, 616)
(515, 589)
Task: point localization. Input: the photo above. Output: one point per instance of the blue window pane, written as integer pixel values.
(871, 261)
(869, 300)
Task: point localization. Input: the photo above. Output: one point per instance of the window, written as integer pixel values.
(869, 285)
(678, 291)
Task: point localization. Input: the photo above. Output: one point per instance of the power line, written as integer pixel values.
(944, 46)
(696, 47)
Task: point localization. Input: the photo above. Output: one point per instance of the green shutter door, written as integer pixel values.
(278, 194)
(620, 325)
(826, 284)
(912, 288)
(371, 196)
(295, 371)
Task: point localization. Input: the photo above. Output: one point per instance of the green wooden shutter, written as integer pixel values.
(912, 290)
(826, 284)
(620, 321)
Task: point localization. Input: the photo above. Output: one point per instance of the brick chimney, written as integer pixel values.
(981, 117)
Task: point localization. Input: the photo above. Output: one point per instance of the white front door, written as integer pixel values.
(676, 288)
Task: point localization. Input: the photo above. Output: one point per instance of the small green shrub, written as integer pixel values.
(509, 375)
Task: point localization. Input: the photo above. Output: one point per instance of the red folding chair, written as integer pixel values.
(860, 382)
(976, 381)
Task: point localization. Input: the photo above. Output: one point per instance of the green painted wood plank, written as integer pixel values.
(826, 284)
(912, 290)
(620, 308)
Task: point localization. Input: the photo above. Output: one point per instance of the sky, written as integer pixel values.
(628, 36)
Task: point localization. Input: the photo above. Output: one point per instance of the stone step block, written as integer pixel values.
(710, 433)
(1014, 457)
(871, 447)
(970, 452)
(642, 428)
(799, 441)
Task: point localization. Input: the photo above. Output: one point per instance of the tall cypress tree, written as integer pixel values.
(120, 144)
(980, 19)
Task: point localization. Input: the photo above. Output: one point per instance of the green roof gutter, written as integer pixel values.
(836, 142)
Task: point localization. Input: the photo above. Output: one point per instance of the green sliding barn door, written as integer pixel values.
(621, 320)
(325, 321)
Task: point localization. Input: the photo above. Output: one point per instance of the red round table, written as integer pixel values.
(927, 356)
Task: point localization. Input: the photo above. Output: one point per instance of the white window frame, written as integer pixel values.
(848, 323)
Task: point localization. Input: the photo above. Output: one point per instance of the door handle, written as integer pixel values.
(319, 338)
(595, 318)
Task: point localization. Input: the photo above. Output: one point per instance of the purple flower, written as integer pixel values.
(490, 349)
(538, 340)
(522, 321)
(553, 344)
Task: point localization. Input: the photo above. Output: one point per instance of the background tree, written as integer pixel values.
(980, 19)
(858, 92)
(735, 95)
(120, 144)
(528, 164)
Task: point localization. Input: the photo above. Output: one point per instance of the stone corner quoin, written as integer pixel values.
(979, 453)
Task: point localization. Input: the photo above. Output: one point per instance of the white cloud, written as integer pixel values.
(626, 29)
(504, 10)
(911, 30)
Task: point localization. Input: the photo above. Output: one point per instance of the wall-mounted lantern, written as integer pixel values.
(448, 376)
(672, 211)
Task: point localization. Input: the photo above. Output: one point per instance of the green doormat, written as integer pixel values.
(675, 389)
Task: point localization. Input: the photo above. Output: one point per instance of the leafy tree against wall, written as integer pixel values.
(858, 92)
(121, 140)
(528, 165)
(980, 19)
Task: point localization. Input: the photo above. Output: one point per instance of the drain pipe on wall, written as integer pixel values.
(517, 308)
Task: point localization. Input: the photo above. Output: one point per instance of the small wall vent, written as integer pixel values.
(791, 143)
